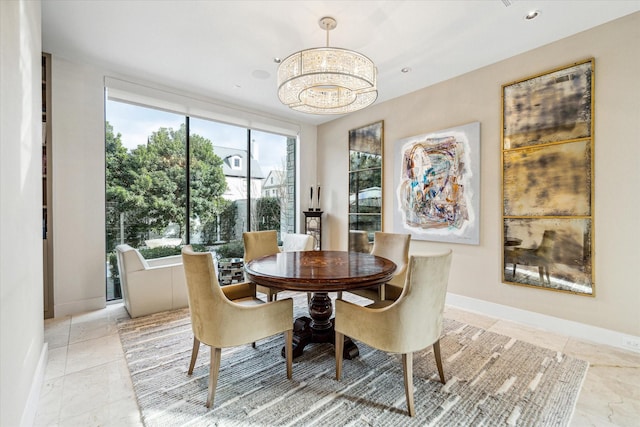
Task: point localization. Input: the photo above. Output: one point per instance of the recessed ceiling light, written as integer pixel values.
(532, 15)
(406, 70)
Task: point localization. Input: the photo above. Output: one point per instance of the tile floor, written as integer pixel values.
(87, 382)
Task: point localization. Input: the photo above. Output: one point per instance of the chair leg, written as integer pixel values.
(436, 353)
(407, 367)
(194, 355)
(288, 350)
(309, 298)
(271, 296)
(541, 272)
(339, 346)
(214, 369)
(339, 296)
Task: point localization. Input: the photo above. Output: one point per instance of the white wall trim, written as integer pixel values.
(31, 406)
(543, 321)
(81, 306)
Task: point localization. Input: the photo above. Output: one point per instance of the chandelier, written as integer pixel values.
(327, 80)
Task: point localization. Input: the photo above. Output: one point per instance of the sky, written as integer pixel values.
(136, 124)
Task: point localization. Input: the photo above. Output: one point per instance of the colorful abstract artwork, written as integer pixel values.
(547, 180)
(437, 185)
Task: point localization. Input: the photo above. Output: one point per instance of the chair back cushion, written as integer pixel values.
(297, 242)
(422, 300)
(259, 243)
(395, 247)
(204, 293)
(359, 241)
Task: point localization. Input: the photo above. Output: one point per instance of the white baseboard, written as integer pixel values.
(31, 406)
(81, 306)
(542, 321)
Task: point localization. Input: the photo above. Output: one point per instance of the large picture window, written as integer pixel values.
(173, 179)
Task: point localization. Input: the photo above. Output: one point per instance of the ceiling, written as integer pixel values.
(226, 49)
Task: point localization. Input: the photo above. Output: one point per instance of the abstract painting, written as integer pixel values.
(547, 180)
(437, 185)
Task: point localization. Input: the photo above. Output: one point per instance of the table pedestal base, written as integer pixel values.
(319, 328)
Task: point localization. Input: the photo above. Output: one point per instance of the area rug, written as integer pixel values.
(492, 380)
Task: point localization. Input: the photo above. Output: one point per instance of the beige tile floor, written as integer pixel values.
(87, 382)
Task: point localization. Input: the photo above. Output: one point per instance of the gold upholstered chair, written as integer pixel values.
(229, 316)
(395, 247)
(411, 323)
(258, 244)
(261, 243)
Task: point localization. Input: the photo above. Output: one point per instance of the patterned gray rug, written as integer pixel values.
(492, 380)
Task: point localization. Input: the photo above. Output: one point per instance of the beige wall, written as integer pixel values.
(22, 349)
(476, 97)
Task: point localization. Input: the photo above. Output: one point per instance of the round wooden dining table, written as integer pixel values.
(319, 272)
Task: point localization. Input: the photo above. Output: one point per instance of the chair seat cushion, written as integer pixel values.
(250, 301)
(380, 304)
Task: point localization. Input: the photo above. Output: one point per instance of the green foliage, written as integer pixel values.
(113, 268)
(233, 249)
(228, 219)
(211, 226)
(267, 213)
(360, 160)
(160, 252)
(146, 188)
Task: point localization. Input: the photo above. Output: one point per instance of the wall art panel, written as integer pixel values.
(437, 185)
(547, 180)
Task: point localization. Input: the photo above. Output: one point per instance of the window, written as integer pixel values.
(236, 162)
(175, 180)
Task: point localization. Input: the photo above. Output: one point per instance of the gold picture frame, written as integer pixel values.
(547, 180)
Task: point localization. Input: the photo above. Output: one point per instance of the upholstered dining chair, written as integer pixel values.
(258, 244)
(297, 242)
(229, 316)
(411, 323)
(261, 243)
(395, 247)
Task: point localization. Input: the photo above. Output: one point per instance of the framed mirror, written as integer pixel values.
(365, 185)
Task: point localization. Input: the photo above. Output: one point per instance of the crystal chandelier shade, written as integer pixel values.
(327, 80)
